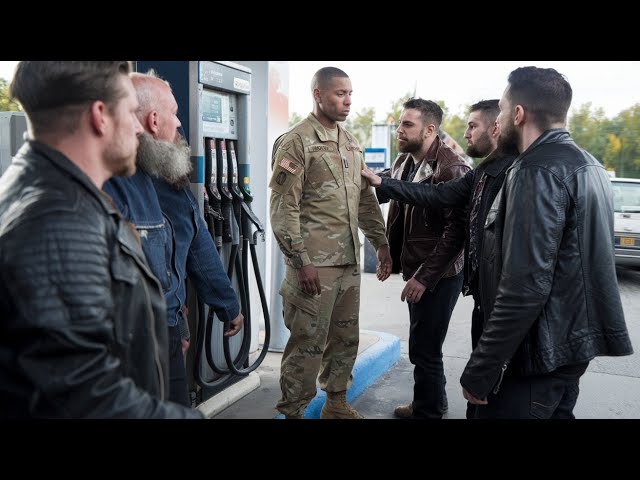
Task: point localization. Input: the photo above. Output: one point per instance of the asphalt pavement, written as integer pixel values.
(383, 376)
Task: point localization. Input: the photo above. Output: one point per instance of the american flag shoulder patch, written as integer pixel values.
(288, 165)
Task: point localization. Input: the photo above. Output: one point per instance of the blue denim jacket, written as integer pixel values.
(196, 252)
(137, 200)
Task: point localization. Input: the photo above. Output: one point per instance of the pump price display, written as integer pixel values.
(211, 108)
(217, 114)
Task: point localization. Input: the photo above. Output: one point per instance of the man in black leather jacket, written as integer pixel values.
(82, 318)
(548, 246)
(476, 191)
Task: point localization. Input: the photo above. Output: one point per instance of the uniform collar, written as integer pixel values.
(321, 131)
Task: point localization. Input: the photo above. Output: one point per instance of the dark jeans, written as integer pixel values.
(178, 390)
(541, 396)
(429, 323)
(477, 324)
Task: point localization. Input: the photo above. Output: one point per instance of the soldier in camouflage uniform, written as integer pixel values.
(318, 201)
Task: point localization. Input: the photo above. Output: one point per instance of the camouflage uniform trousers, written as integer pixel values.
(324, 336)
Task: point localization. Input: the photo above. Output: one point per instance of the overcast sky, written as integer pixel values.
(6, 70)
(613, 86)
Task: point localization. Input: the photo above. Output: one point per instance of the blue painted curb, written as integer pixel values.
(370, 364)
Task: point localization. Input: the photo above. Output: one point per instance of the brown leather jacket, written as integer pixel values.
(427, 243)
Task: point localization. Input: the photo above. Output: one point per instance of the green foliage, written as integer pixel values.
(590, 129)
(455, 125)
(360, 126)
(615, 142)
(393, 117)
(295, 118)
(7, 105)
(396, 108)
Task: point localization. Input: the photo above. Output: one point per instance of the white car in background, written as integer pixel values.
(626, 205)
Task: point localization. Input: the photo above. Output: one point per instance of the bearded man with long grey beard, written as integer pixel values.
(158, 201)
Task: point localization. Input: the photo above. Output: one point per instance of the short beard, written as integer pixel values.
(508, 143)
(481, 148)
(170, 161)
(412, 146)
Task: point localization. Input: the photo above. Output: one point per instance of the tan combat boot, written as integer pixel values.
(336, 407)
(404, 411)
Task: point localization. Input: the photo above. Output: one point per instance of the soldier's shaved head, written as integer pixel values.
(324, 76)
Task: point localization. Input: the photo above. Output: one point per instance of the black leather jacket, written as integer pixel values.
(455, 193)
(548, 258)
(82, 319)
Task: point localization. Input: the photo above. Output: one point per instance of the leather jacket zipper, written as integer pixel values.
(496, 389)
(155, 341)
(156, 347)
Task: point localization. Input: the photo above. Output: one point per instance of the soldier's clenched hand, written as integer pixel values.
(308, 279)
(383, 269)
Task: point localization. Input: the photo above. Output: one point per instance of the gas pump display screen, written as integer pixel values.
(217, 114)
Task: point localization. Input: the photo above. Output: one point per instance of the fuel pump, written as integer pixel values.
(216, 223)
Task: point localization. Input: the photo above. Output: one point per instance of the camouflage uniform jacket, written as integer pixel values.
(318, 199)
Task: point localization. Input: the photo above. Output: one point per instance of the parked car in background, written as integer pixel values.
(626, 204)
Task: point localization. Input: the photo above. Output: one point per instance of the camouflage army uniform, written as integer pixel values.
(318, 201)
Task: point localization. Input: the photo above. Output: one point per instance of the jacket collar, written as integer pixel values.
(434, 149)
(426, 164)
(554, 135)
(496, 162)
(438, 156)
(62, 162)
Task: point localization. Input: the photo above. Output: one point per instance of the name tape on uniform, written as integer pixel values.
(319, 148)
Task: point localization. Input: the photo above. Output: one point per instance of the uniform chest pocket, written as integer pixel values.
(325, 176)
(353, 173)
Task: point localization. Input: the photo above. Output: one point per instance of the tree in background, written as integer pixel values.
(615, 142)
(590, 129)
(7, 105)
(360, 125)
(394, 113)
(454, 125)
(294, 118)
(626, 125)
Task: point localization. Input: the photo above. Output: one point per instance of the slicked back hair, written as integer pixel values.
(543, 92)
(430, 112)
(489, 110)
(54, 93)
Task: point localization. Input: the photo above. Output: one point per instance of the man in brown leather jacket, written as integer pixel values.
(427, 246)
